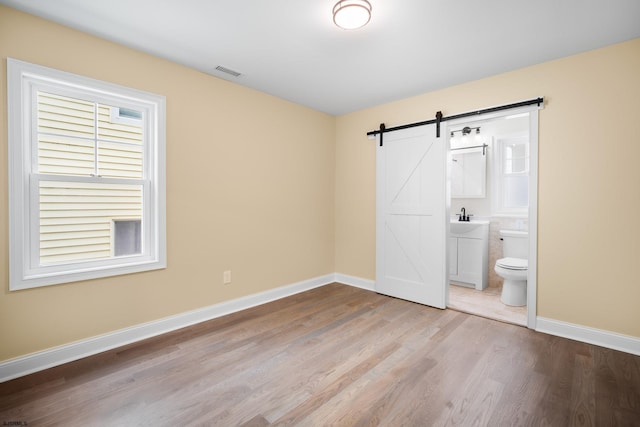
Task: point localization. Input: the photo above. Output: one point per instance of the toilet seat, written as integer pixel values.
(513, 263)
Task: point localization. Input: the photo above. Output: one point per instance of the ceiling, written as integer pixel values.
(292, 49)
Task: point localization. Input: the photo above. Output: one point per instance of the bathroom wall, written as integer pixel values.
(250, 188)
(588, 167)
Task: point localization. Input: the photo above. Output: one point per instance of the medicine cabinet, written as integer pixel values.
(469, 173)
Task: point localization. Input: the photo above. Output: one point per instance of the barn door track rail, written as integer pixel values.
(440, 118)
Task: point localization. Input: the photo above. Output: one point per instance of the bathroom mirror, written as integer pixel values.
(468, 173)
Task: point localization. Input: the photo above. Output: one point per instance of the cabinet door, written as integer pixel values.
(470, 260)
(453, 256)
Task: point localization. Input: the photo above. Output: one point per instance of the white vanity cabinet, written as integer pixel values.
(469, 254)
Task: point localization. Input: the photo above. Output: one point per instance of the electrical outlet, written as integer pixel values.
(226, 277)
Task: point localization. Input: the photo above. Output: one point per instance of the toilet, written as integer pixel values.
(513, 267)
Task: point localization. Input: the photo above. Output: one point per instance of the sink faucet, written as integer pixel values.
(463, 216)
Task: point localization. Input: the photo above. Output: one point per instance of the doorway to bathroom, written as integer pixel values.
(421, 245)
(492, 164)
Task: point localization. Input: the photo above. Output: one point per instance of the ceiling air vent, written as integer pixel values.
(228, 71)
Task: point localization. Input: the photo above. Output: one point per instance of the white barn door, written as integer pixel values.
(411, 222)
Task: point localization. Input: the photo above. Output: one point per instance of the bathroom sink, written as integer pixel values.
(461, 227)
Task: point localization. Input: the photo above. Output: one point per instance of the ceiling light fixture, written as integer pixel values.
(351, 14)
(466, 131)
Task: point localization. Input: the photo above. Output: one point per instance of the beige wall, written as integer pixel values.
(589, 180)
(250, 188)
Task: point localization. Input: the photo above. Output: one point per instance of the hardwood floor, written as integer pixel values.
(337, 356)
(485, 303)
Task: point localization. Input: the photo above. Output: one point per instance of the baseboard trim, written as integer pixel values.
(612, 340)
(39, 361)
(358, 282)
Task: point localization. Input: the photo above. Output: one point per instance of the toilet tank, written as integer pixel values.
(515, 244)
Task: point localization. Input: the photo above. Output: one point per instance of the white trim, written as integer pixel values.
(532, 271)
(39, 361)
(69, 352)
(612, 340)
(354, 281)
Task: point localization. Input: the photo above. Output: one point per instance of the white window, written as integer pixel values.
(511, 180)
(86, 177)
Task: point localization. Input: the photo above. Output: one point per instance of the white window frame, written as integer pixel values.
(23, 81)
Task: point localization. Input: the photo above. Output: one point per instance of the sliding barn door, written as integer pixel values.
(411, 223)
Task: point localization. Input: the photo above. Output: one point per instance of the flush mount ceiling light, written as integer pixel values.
(351, 14)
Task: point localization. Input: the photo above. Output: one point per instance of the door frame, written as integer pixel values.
(532, 271)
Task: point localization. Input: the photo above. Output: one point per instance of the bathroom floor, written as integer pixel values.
(485, 304)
